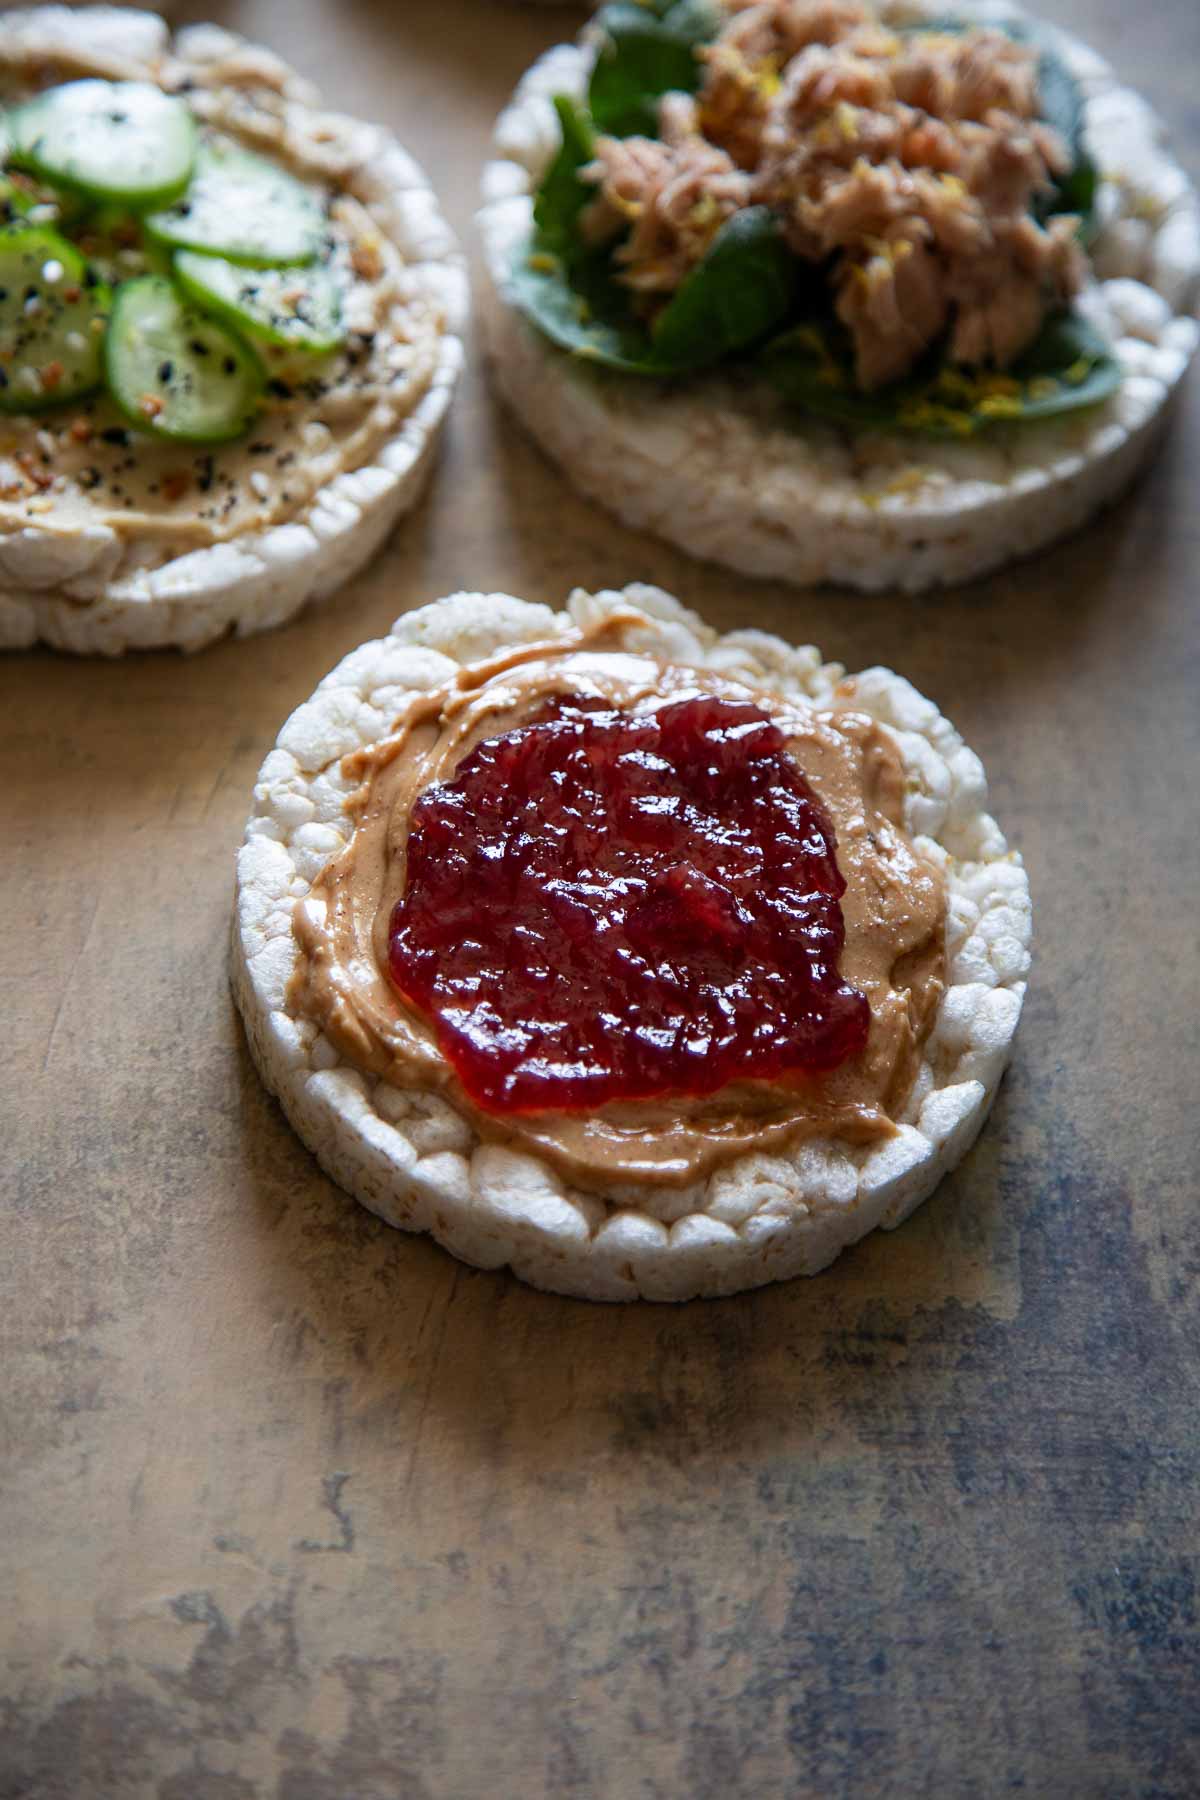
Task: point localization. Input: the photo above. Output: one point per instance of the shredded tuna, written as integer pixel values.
(905, 164)
(673, 194)
(779, 29)
(893, 299)
(966, 75)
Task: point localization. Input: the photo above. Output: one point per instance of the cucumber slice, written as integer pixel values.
(242, 207)
(175, 372)
(292, 309)
(114, 140)
(52, 313)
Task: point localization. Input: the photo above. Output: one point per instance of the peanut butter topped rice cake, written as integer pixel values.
(228, 334)
(886, 295)
(647, 961)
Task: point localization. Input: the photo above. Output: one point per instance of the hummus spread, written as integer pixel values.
(79, 466)
(894, 910)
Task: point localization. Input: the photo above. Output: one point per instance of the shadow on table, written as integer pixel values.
(410, 1342)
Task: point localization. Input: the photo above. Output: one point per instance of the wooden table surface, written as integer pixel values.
(295, 1507)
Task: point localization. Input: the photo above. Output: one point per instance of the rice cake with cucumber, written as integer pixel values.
(886, 296)
(229, 334)
(644, 960)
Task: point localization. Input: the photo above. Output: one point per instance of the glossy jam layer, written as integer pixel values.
(603, 906)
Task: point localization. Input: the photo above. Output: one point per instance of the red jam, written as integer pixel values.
(602, 906)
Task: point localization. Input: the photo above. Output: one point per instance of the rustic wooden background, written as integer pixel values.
(297, 1508)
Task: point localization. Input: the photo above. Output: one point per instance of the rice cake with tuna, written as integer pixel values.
(603, 1202)
(113, 537)
(717, 462)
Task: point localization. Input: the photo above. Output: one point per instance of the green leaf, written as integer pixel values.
(1069, 366)
(562, 196)
(1076, 193)
(645, 53)
(1062, 108)
(583, 310)
(745, 287)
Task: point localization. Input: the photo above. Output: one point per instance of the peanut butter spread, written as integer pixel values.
(894, 909)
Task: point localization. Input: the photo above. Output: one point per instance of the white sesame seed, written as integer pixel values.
(52, 271)
(76, 341)
(45, 443)
(259, 483)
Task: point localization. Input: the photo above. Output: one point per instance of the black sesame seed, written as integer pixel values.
(165, 371)
(115, 434)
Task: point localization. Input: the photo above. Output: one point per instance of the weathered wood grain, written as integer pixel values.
(295, 1508)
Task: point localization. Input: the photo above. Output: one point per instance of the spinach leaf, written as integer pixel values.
(646, 52)
(745, 287)
(562, 196)
(581, 309)
(1062, 107)
(1069, 366)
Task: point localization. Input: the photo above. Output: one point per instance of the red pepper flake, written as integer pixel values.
(72, 294)
(150, 406)
(80, 430)
(175, 484)
(52, 375)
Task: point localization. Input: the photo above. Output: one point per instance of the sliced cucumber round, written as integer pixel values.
(291, 309)
(242, 207)
(173, 370)
(113, 140)
(52, 314)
